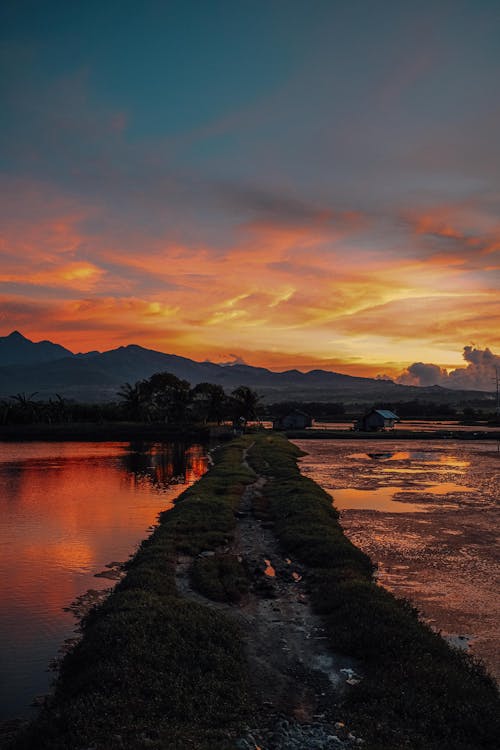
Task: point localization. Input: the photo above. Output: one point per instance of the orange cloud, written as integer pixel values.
(79, 276)
(474, 233)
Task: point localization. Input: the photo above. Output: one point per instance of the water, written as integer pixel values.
(66, 511)
(415, 425)
(428, 514)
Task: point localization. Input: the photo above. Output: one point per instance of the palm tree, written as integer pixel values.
(57, 411)
(27, 406)
(135, 400)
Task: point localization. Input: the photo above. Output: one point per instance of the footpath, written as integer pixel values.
(248, 621)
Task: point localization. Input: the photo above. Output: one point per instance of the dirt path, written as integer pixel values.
(296, 678)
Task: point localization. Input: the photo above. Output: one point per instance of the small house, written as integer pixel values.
(294, 420)
(376, 420)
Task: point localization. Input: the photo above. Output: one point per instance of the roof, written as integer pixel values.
(386, 414)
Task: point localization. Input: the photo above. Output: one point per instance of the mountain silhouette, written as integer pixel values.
(15, 349)
(49, 368)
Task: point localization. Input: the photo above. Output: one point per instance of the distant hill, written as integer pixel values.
(15, 349)
(48, 369)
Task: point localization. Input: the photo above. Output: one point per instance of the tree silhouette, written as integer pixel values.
(169, 397)
(28, 408)
(246, 402)
(210, 402)
(135, 400)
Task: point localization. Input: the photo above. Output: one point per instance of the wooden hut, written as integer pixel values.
(295, 420)
(376, 420)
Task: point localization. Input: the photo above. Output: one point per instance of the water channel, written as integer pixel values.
(67, 510)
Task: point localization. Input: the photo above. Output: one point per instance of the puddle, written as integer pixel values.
(422, 470)
(269, 570)
(446, 488)
(381, 499)
(427, 458)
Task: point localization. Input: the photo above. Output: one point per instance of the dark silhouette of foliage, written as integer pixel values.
(169, 397)
(246, 402)
(135, 400)
(210, 403)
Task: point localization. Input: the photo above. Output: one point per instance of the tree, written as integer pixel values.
(169, 397)
(210, 402)
(135, 400)
(27, 407)
(246, 402)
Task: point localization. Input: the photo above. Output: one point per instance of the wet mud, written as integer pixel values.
(443, 553)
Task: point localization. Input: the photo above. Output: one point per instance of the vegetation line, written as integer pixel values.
(417, 691)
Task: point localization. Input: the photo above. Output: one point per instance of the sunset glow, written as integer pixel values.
(332, 201)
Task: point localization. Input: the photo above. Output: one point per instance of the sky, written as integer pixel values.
(291, 183)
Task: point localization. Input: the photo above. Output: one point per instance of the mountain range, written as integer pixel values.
(47, 368)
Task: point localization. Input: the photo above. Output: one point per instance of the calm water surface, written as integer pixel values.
(428, 513)
(66, 511)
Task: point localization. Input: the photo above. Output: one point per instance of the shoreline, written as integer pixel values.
(170, 642)
(91, 432)
(318, 434)
(129, 431)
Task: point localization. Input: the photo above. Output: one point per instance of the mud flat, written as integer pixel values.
(248, 620)
(427, 514)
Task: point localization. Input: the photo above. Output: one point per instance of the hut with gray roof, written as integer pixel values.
(376, 420)
(294, 420)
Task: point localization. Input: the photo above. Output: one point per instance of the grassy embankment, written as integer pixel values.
(417, 692)
(154, 670)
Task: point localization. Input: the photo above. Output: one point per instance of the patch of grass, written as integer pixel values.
(154, 670)
(221, 578)
(417, 693)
